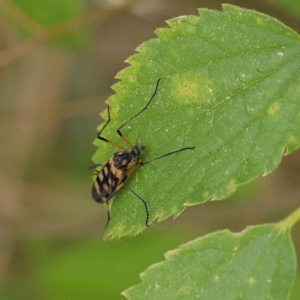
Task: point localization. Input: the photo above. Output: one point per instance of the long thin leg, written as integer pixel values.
(120, 185)
(167, 154)
(144, 202)
(145, 107)
(94, 166)
(108, 214)
(103, 138)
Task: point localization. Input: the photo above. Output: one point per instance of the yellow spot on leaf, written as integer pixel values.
(292, 144)
(273, 108)
(191, 87)
(205, 195)
(251, 280)
(231, 186)
(292, 140)
(259, 21)
(132, 78)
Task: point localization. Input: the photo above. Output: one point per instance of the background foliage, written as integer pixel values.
(54, 79)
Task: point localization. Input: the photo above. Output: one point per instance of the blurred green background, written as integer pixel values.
(57, 63)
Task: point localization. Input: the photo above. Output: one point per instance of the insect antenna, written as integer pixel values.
(164, 155)
(144, 108)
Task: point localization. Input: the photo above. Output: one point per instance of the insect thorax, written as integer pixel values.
(123, 160)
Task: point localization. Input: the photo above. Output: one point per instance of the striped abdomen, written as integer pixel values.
(107, 182)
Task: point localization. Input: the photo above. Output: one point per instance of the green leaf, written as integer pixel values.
(258, 263)
(228, 86)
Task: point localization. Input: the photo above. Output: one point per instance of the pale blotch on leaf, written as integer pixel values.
(132, 78)
(205, 195)
(176, 211)
(251, 280)
(292, 144)
(231, 186)
(273, 109)
(188, 88)
(292, 140)
(259, 21)
(186, 28)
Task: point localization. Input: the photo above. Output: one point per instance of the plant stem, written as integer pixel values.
(290, 220)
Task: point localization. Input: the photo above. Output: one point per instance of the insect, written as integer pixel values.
(121, 165)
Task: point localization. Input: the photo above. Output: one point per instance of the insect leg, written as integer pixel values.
(144, 202)
(145, 107)
(167, 154)
(108, 214)
(94, 166)
(103, 138)
(131, 190)
(123, 182)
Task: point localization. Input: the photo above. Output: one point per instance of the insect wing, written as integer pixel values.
(106, 184)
